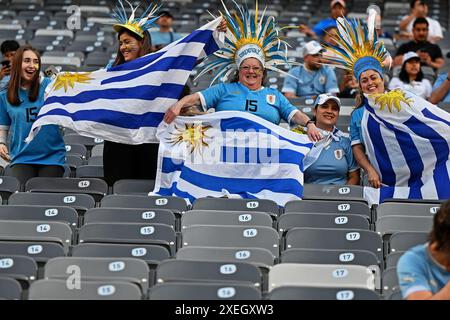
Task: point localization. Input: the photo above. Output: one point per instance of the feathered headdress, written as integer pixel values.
(248, 36)
(358, 48)
(135, 25)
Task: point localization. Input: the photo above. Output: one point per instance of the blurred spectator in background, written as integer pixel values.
(424, 270)
(8, 48)
(348, 87)
(419, 9)
(441, 89)
(430, 54)
(312, 78)
(338, 9)
(165, 34)
(411, 77)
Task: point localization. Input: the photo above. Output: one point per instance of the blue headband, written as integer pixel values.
(367, 63)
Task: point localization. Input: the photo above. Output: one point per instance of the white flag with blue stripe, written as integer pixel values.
(126, 103)
(232, 154)
(408, 142)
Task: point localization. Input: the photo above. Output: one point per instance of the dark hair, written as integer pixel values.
(403, 75)
(440, 233)
(420, 20)
(165, 13)
(146, 45)
(9, 45)
(16, 78)
(413, 2)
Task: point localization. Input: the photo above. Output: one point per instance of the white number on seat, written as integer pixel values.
(242, 255)
(340, 273)
(147, 230)
(252, 204)
(68, 148)
(344, 190)
(35, 249)
(138, 252)
(148, 215)
(69, 199)
(106, 290)
(346, 257)
(161, 202)
(98, 140)
(225, 293)
(116, 266)
(245, 218)
(6, 263)
(344, 207)
(345, 295)
(353, 236)
(433, 210)
(250, 233)
(341, 220)
(228, 269)
(51, 212)
(84, 184)
(1, 181)
(43, 228)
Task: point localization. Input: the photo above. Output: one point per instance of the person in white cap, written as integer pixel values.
(331, 160)
(411, 77)
(312, 78)
(245, 61)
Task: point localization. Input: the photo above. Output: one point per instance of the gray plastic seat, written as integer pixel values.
(222, 218)
(151, 254)
(8, 186)
(118, 269)
(80, 202)
(95, 161)
(333, 192)
(133, 186)
(121, 215)
(389, 282)
(315, 293)
(204, 291)
(18, 267)
(56, 289)
(257, 256)
(236, 205)
(40, 213)
(341, 239)
(328, 206)
(74, 161)
(207, 271)
(321, 220)
(97, 150)
(231, 236)
(86, 141)
(175, 204)
(406, 209)
(44, 231)
(403, 241)
(131, 233)
(321, 275)
(76, 149)
(395, 295)
(90, 171)
(39, 251)
(392, 259)
(390, 224)
(97, 188)
(324, 256)
(10, 289)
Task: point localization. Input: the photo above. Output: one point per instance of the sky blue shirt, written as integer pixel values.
(4, 83)
(356, 135)
(323, 25)
(333, 164)
(312, 83)
(267, 103)
(47, 148)
(164, 38)
(418, 271)
(439, 81)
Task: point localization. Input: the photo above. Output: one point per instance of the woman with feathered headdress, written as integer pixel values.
(252, 47)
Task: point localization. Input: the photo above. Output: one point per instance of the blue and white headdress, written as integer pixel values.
(358, 48)
(136, 25)
(248, 36)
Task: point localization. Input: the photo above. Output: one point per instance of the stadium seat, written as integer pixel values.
(40, 251)
(21, 268)
(326, 206)
(406, 209)
(403, 241)
(231, 236)
(390, 224)
(10, 289)
(40, 213)
(225, 218)
(332, 192)
(74, 161)
(55, 289)
(320, 275)
(131, 233)
(8, 186)
(97, 150)
(208, 271)
(320, 220)
(79, 139)
(76, 149)
(175, 204)
(395, 295)
(97, 188)
(392, 259)
(236, 205)
(36, 231)
(133, 186)
(318, 293)
(90, 171)
(389, 282)
(122, 215)
(204, 291)
(101, 269)
(95, 161)
(341, 239)
(80, 202)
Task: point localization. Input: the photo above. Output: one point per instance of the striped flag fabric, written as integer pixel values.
(230, 154)
(408, 142)
(126, 103)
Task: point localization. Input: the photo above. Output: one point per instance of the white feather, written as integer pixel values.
(371, 23)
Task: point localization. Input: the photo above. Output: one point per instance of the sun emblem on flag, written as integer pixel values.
(193, 134)
(391, 99)
(67, 79)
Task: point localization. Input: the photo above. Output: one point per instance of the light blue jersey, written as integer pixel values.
(418, 271)
(356, 135)
(310, 83)
(4, 83)
(439, 81)
(333, 165)
(267, 103)
(47, 148)
(164, 38)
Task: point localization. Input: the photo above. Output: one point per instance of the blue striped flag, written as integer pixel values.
(126, 103)
(232, 154)
(408, 142)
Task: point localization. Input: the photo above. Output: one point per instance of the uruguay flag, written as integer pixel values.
(126, 103)
(232, 154)
(407, 140)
